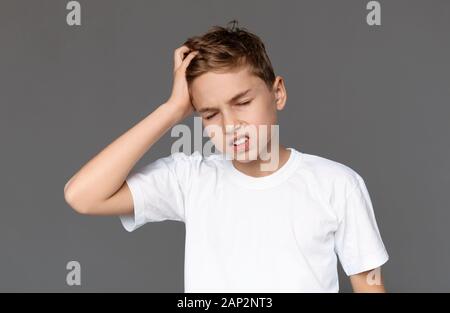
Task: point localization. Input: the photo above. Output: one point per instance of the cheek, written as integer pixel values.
(262, 114)
(263, 121)
(215, 134)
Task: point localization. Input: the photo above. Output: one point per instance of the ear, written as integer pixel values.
(279, 90)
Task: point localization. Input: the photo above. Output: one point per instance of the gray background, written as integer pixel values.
(373, 98)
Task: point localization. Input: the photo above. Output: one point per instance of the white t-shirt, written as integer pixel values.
(278, 233)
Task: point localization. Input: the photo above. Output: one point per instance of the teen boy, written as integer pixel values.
(247, 229)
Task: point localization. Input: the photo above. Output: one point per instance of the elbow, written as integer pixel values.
(74, 201)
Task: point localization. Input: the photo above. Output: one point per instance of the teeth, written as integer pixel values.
(240, 141)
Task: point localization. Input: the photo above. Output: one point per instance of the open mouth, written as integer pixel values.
(241, 143)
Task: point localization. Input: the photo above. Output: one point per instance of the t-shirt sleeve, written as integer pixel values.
(158, 191)
(358, 243)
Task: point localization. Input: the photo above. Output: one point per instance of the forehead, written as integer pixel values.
(214, 89)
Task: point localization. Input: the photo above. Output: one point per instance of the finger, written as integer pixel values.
(188, 59)
(178, 56)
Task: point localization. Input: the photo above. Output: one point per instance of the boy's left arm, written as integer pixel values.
(369, 281)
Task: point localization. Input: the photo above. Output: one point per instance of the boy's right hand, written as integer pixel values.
(99, 187)
(180, 94)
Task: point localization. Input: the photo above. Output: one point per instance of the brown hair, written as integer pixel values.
(227, 48)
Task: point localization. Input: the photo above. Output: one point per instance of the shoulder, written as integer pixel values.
(335, 181)
(183, 157)
(194, 157)
(196, 161)
(330, 171)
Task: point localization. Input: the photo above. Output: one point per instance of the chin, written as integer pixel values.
(243, 160)
(246, 157)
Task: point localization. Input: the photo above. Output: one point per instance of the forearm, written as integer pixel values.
(104, 174)
(370, 281)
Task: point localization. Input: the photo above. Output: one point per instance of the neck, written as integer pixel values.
(254, 167)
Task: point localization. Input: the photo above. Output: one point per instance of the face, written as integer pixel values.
(238, 104)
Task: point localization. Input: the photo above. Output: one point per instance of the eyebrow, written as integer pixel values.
(233, 99)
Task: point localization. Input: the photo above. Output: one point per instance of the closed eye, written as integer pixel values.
(239, 104)
(210, 116)
(244, 103)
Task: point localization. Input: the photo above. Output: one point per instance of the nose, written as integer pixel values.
(230, 123)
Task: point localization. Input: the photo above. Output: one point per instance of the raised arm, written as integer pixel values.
(99, 187)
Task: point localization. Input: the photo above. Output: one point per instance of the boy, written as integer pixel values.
(247, 229)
